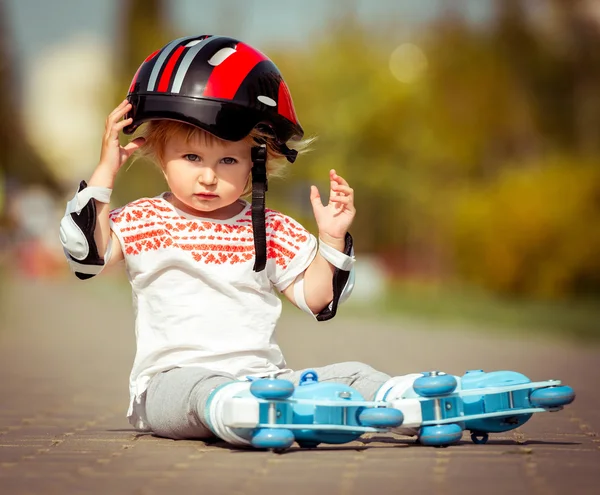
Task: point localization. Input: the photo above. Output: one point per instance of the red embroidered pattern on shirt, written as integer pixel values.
(150, 225)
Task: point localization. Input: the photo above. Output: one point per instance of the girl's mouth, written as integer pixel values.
(206, 196)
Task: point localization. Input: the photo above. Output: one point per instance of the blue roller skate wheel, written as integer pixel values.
(272, 388)
(437, 436)
(432, 386)
(552, 396)
(381, 417)
(273, 438)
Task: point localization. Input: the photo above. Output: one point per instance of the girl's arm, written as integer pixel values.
(318, 287)
(85, 228)
(333, 222)
(103, 236)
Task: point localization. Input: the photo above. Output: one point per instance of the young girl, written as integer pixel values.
(203, 263)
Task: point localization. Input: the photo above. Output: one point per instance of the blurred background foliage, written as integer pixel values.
(19, 162)
(473, 150)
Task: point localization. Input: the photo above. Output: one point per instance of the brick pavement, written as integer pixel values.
(64, 395)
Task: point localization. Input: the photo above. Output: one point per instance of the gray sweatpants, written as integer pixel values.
(176, 399)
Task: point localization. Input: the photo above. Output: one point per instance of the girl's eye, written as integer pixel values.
(229, 161)
(191, 157)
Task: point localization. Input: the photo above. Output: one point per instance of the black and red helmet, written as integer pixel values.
(227, 88)
(219, 84)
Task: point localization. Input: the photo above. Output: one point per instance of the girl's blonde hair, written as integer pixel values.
(158, 132)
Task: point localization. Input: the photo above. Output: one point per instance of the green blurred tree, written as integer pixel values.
(492, 101)
(533, 226)
(535, 231)
(556, 62)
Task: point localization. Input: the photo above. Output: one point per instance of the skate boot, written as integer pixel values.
(440, 407)
(271, 413)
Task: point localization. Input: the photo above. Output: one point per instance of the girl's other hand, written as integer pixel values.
(334, 219)
(113, 155)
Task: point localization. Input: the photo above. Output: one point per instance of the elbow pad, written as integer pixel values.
(77, 231)
(343, 279)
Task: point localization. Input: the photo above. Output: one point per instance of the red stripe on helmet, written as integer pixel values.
(152, 55)
(131, 86)
(163, 84)
(147, 59)
(226, 78)
(285, 106)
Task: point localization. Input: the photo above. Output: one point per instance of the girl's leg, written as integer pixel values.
(362, 377)
(176, 401)
(370, 383)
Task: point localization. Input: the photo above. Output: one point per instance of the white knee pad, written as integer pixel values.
(230, 407)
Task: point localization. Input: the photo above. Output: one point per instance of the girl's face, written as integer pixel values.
(206, 176)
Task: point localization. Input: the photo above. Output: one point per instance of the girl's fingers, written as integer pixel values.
(121, 105)
(121, 124)
(128, 150)
(122, 111)
(118, 112)
(134, 145)
(340, 189)
(346, 200)
(112, 132)
(338, 178)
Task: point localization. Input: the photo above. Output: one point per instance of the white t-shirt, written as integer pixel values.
(196, 299)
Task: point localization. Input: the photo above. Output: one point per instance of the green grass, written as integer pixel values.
(577, 320)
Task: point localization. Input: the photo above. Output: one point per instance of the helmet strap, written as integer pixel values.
(259, 188)
(289, 153)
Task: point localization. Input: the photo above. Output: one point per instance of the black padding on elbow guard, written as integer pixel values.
(86, 221)
(340, 278)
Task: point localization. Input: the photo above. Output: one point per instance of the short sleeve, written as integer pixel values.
(117, 219)
(127, 221)
(290, 249)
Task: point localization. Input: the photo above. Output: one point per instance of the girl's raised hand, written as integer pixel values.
(113, 155)
(334, 219)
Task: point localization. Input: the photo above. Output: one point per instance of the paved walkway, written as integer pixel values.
(63, 388)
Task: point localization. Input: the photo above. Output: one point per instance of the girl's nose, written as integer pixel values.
(207, 176)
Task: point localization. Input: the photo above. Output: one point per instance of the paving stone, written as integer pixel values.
(63, 427)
